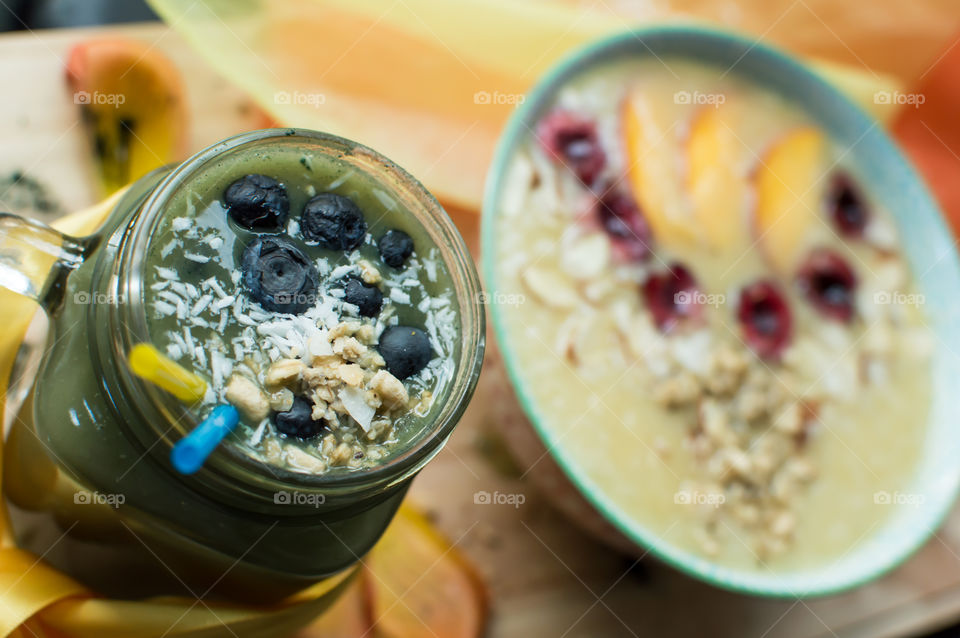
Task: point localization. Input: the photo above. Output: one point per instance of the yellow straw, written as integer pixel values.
(148, 363)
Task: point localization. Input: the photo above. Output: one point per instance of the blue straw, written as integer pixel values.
(190, 452)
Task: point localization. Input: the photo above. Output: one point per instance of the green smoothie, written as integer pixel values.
(206, 309)
(315, 286)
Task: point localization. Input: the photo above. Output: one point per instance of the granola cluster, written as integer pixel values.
(352, 393)
(749, 431)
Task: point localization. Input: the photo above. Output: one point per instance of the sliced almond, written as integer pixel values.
(587, 256)
(550, 287)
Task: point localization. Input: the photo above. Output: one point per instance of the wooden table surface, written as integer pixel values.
(547, 578)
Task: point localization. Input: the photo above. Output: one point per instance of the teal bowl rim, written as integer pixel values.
(740, 580)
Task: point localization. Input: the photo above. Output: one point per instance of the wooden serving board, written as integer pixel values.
(547, 578)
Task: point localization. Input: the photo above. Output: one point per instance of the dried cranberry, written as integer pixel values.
(765, 319)
(672, 296)
(847, 207)
(573, 141)
(620, 217)
(829, 283)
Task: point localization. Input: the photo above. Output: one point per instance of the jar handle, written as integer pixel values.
(35, 259)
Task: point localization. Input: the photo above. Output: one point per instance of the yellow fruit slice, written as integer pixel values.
(652, 149)
(788, 195)
(715, 180)
(133, 105)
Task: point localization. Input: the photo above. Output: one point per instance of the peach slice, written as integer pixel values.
(717, 185)
(789, 197)
(652, 151)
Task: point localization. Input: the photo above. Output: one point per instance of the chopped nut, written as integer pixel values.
(284, 371)
(747, 513)
(281, 400)
(783, 524)
(783, 487)
(801, 468)
(716, 423)
(791, 419)
(319, 411)
(368, 272)
(344, 329)
(751, 404)
(365, 334)
(390, 389)
(738, 461)
(349, 348)
(351, 374)
(341, 455)
(371, 359)
(303, 460)
(272, 451)
(247, 397)
(727, 367)
(677, 391)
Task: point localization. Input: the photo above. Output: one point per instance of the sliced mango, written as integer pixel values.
(133, 104)
(789, 197)
(652, 150)
(420, 587)
(715, 180)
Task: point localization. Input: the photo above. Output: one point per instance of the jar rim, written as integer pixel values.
(229, 467)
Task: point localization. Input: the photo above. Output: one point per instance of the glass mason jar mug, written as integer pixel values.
(90, 447)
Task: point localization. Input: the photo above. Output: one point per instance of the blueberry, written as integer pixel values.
(334, 221)
(257, 202)
(395, 247)
(406, 350)
(278, 275)
(366, 297)
(298, 420)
